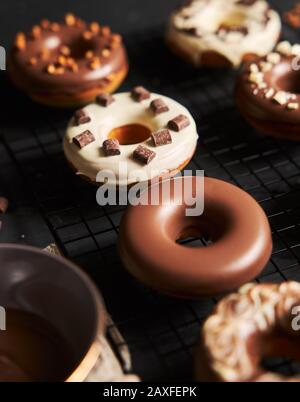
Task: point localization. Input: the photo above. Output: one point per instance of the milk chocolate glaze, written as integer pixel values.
(235, 223)
(66, 58)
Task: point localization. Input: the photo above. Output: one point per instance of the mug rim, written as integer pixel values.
(82, 369)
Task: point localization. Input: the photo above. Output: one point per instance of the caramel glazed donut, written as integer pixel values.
(247, 326)
(267, 92)
(67, 64)
(233, 221)
(153, 135)
(218, 33)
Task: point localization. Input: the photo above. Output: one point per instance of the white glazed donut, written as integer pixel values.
(124, 111)
(217, 32)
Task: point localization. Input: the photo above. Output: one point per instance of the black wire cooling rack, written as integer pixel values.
(161, 332)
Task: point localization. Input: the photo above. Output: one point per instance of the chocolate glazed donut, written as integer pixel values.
(267, 93)
(235, 223)
(256, 322)
(69, 63)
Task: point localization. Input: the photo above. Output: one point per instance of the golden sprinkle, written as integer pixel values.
(95, 27)
(55, 69)
(36, 32)
(105, 31)
(20, 41)
(89, 54)
(95, 63)
(70, 19)
(59, 71)
(116, 38)
(65, 50)
(55, 27)
(51, 69)
(105, 52)
(62, 60)
(87, 35)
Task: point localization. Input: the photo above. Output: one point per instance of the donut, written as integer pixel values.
(247, 326)
(67, 64)
(267, 92)
(232, 220)
(218, 33)
(150, 134)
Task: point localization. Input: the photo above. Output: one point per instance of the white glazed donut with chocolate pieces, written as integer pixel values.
(219, 33)
(154, 135)
(247, 326)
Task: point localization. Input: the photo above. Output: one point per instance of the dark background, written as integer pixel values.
(49, 203)
(126, 16)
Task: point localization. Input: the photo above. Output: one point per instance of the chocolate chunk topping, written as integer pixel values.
(179, 123)
(84, 139)
(111, 147)
(246, 2)
(194, 31)
(81, 117)
(140, 93)
(158, 106)
(161, 137)
(105, 99)
(143, 155)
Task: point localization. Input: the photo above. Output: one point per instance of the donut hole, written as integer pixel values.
(289, 82)
(130, 134)
(80, 46)
(281, 353)
(202, 230)
(193, 237)
(233, 19)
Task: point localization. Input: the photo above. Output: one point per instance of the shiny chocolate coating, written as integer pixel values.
(232, 220)
(70, 62)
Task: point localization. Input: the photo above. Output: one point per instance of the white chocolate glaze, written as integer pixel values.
(206, 16)
(123, 111)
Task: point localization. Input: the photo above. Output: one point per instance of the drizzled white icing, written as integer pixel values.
(254, 310)
(206, 16)
(90, 160)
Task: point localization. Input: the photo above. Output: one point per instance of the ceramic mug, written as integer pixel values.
(50, 297)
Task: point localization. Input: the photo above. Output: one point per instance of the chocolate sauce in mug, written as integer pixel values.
(31, 349)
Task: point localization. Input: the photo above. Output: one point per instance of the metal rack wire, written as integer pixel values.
(161, 332)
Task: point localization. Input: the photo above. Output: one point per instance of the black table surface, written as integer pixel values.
(49, 203)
